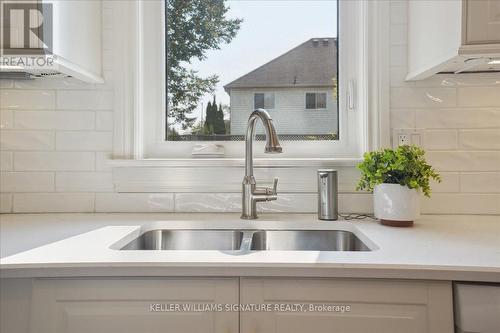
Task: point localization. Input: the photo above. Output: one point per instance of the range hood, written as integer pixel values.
(452, 37)
(68, 43)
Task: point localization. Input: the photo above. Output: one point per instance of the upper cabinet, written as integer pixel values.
(52, 38)
(453, 36)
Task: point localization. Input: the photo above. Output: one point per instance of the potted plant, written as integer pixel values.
(396, 178)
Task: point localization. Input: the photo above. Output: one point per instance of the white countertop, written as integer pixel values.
(438, 247)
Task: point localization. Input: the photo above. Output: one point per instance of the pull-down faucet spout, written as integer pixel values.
(251, 193)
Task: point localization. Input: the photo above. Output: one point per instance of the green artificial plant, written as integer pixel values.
(405, 166)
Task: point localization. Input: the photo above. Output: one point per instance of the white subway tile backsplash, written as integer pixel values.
(399, 34)
(54, 161)
(5, 203)
(104, 121)
(26, 182)
(27, 99)
(6, 119)
(84, 182)
(480, 182)
(398, 76)
(291, 202)
(6, 161)
(356, 203)
(59, 120)
(107, 17)
(402, 118)
(399, 55)
(479, 96)
(84, 100)
(287, 202)
(412, 97)
(134, 202)
(459, 203)
(102, 161)
(399, 12)
(84, 141)
(107, 60)
(440, 139)
(450, 183)
(485, 139)
(53, 202)
(486, 118)
(208, 202)
(464, 160)
(6, 84)
(26, 140)
(107, 39)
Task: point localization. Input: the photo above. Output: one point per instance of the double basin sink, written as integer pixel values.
(247, 240)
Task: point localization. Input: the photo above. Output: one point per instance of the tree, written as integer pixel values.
(172, 134)
(219, 126)
(193, 28)
(209, 119)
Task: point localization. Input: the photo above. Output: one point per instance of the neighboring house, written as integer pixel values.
(297, 88)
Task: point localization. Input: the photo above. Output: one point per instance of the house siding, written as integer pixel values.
(290, 115)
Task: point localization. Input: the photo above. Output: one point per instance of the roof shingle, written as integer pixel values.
(311, 64)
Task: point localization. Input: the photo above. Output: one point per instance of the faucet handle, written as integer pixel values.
(265, 190)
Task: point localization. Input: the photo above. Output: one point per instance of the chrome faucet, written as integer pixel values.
(251, 193)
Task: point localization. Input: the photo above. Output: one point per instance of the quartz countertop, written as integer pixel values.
(438, 247)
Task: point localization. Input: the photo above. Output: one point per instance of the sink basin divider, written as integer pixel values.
(246, 241)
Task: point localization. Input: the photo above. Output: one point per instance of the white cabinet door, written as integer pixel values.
(483, 22)
(128, 305)
(376, 306)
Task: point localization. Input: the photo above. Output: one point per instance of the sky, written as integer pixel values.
(269, 29)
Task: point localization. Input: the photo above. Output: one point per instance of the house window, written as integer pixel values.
(263, 101)
(214, 69)
(315, 101)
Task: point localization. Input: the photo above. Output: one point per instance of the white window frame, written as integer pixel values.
(316, 92)
(363, 91)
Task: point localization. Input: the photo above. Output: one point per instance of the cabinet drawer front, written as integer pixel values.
(383, 306)
(132, 305)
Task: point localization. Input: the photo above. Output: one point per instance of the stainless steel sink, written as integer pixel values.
(222, 240)
(307, 240)
(247, 240)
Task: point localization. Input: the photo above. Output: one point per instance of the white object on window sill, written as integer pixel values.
(208, 150)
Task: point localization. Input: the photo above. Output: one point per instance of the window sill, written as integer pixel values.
(234, 162)
(225, 175)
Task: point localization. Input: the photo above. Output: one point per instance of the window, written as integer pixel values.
(361, 86)
(263, 101)
(315, 101)
(217, 75)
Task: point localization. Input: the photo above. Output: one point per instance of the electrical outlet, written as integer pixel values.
(403, 139)
(406, 136)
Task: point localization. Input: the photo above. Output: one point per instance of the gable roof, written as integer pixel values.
(311, 64)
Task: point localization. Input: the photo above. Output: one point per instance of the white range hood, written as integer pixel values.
(76, 43)
(455, 36)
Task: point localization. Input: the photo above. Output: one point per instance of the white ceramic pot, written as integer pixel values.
(396, 205)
